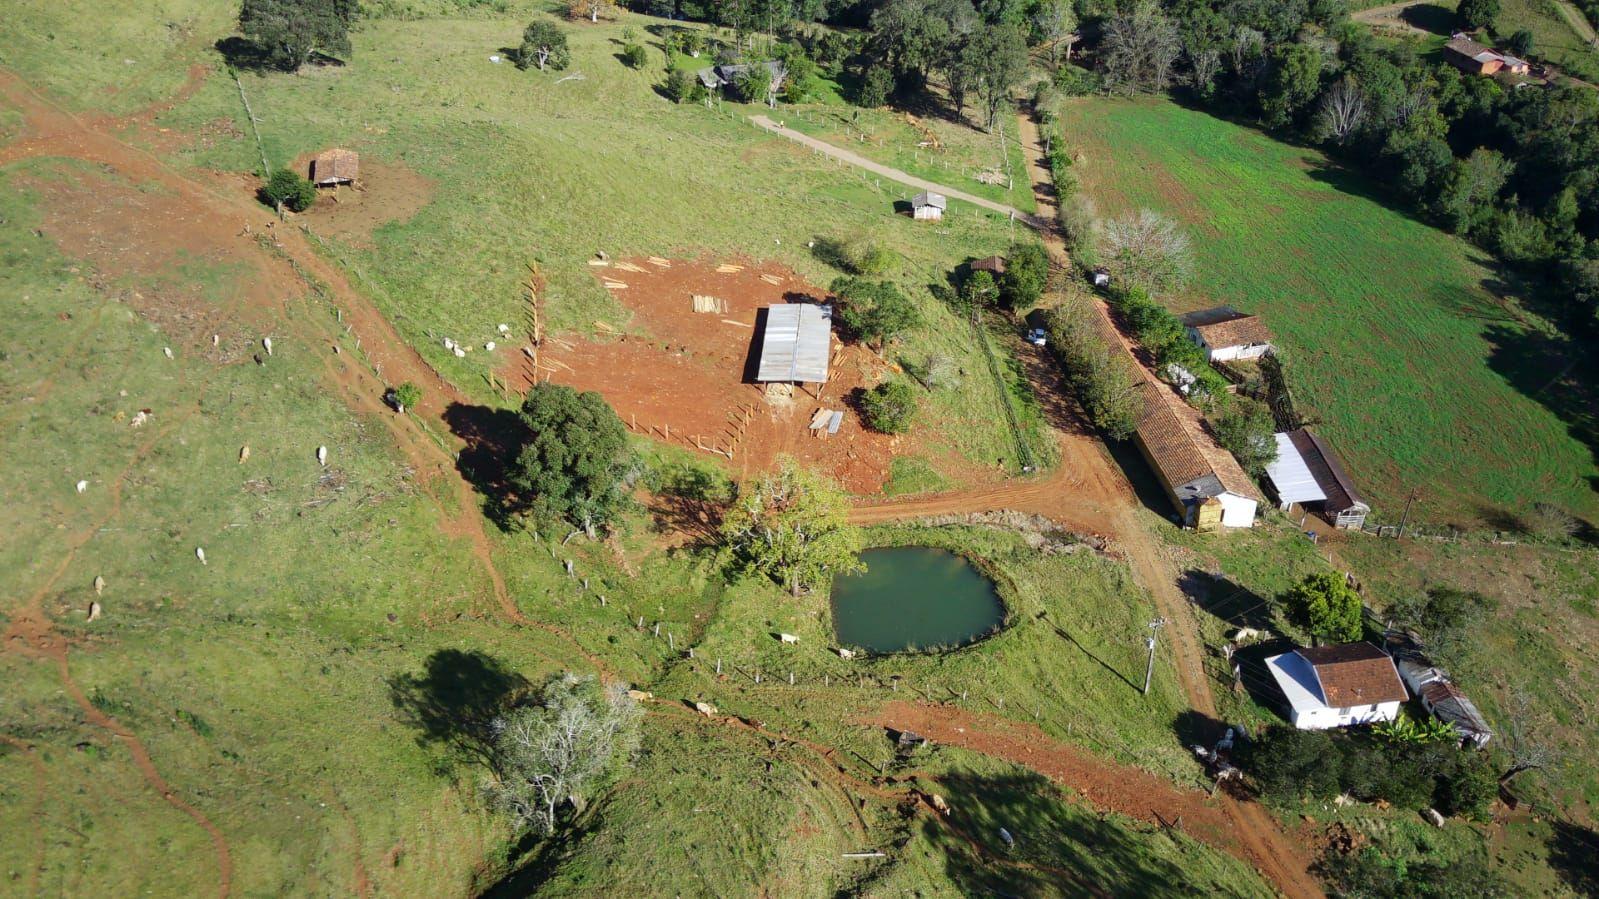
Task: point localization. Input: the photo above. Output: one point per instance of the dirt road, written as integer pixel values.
(893, 174)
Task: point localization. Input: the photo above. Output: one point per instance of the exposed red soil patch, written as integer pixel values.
(687, 377)
(388, 192)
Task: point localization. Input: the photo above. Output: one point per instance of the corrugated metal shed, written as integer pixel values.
(797, 343)
(1291, 476)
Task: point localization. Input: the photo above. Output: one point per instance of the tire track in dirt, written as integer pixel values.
(32, 631)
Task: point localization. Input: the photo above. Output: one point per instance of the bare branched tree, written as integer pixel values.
(1140, 46)
(1342, 110)
(1145, 250)
(1204, 65)
(551, 751)
(1056, 21)
(1247, 48)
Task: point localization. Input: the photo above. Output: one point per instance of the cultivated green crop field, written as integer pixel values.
(1395, 335)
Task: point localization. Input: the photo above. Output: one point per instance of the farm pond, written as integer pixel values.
(914, 598)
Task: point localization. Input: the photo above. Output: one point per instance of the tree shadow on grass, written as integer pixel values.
(455, 697)
(493, 439)
(1574, 854)
(1059, 849)
(1553, 371)
(1224, 598)
(1429, 17)
(244, 54)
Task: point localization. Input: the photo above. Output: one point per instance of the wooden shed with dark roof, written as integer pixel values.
(335, 166)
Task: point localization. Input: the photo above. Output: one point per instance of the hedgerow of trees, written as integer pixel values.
(1105, 380)
(1516, 171)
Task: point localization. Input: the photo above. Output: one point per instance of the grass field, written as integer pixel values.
(297, 690)
(1400, 342)
(521, 168)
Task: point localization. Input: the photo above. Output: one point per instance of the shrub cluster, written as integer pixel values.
(1290, 765)
(1103, 377)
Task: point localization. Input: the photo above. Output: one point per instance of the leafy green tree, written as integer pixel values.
(543, 45)
(1246, 430)
(1444, 617)
(555, 749)
(576, 462)
(1466, 199)
(911, 35)
(874, 311)
(1470, 789)
(889, 407)
(1471, 15)
(1292, 82)
(1326, 605)
(290, 189)
(981, 290)
(1520, 42)
(1026, 275)
(289, 32)
(634, 56)
(406, 396)
(800, 82)
(877, 82)
(791, 526)
(993, 61)
(755, 85)
(683, 87)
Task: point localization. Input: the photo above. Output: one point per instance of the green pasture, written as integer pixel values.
(523, 168)
(1402, 344)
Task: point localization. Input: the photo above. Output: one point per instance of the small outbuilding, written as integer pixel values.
(928, 206)
(1338, 686)
(718, 77)
(334, 167)
(1225, 334)
(994, 265)
(796, 345)
(1307, 472)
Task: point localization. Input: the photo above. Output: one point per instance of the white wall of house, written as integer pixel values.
(1229, 353)
(1237, 511)
(1324, 718)
(928, 213)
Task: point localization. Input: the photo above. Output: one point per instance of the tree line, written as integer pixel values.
(1515, 170)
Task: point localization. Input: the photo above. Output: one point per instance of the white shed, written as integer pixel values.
(928, 206)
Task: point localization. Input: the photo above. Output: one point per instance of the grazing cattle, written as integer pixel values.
(199, 553)
(706, 709)
(94, 611)
(788, 638)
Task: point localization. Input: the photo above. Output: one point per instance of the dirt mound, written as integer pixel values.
(688, 377)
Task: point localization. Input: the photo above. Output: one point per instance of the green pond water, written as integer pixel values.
(914, 597)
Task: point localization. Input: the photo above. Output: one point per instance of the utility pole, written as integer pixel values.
(1414, 494)
(1154, 630)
